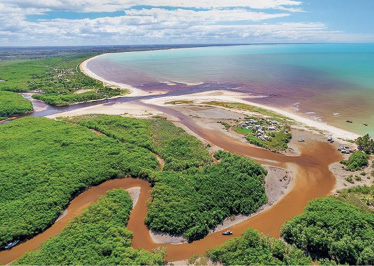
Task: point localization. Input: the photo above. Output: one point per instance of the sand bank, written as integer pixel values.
(229, 96)
(128, 109)
(134, 194)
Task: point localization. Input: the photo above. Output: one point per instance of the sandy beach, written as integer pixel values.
(134, 91)
(226, 96)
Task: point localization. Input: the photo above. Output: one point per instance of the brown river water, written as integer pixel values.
(312, 178)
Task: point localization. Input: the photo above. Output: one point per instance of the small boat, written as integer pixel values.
(227, 233)
(301, 140)
(365, 124)
(11, 244)
(349, 121)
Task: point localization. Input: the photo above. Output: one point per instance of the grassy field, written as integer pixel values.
(250, 108)
(12, 104)
(360, 196)
(98, 236)
(277, 139)
(59, 79)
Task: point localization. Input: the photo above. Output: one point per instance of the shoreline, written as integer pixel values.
(236, 97)
(222, 95)
(133, 91)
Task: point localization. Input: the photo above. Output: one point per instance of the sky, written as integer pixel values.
(131, 22)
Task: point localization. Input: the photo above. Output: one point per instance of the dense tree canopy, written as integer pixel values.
(179, 149)
(253, 248)
(59, 78)
(365, 144)
(194, 201)
(43, 163)
(333, 229)
(98, 236)
(12, 104)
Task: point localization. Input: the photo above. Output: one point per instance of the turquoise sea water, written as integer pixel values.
(328, 82)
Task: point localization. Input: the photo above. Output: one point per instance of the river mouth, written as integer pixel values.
(312, 178)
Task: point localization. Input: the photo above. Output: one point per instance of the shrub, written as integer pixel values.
(253, 248)
(356, 161)
(332, 229)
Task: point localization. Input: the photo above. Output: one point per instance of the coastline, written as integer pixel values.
(133, 91)
(223, 95)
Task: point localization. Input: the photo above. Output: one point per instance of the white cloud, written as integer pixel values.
(116, 5)
(225, 21)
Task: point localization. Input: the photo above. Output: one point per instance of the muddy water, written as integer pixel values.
(77, 205)
(312, 179)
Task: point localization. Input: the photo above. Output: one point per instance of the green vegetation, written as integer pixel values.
(44, 163)
(179, 102)
(350, 179)
(356, 161)
(225, 124)
(250, 108)
(179, 149)
(233, 186)
(333, 229)
(269, 134)
(12, 104)
(365, 144)
(253, 248)
(98, 236)
(59, 78)
(361, 196)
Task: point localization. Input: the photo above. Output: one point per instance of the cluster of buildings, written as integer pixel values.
(259, 128)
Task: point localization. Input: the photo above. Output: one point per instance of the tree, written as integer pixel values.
(365, 144)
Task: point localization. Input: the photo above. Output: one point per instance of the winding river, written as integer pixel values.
(312, 178)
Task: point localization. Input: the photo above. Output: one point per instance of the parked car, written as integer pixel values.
(227, 233)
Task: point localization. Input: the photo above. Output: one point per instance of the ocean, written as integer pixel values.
(330, 83)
